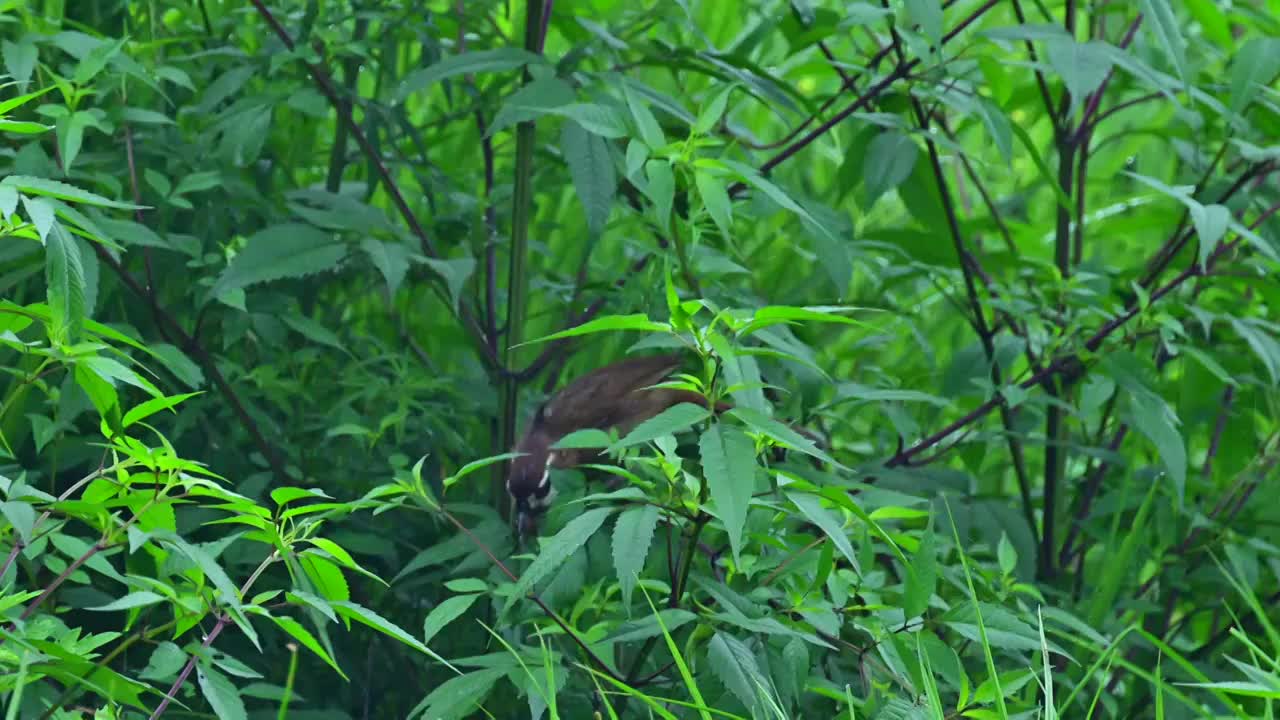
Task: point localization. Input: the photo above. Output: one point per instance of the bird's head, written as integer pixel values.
(529, 478)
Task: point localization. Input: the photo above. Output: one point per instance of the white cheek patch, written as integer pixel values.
(545, 493)
(537, 502)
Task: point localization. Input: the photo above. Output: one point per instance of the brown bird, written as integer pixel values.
(616, 396)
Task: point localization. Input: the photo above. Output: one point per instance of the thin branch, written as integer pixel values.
(1068, 365)
(324, 82)
(517, 267)
(192, 345)
(1095, 98)
(969, 268)
(900, 71)
(1224, 413)
(1045, 96)
(537, 599)
(1090, 490)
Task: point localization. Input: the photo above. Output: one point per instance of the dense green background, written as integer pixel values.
(275, 275)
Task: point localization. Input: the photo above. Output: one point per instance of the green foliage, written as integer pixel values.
(990, 288)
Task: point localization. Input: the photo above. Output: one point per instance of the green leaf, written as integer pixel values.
(212, 571)
(20, 60)
(96, 60)
(22, 127)
(8, 202)
(288, 250)
(111, 371)
(715, 198)
(779, 314)
(335, 550)
(588, 438)
(63, 191)
(222, 694)
(41, 214)
(132, 233)
(1261, 245)
(864, 393)
(928, 15)
(646, 123)
(1165, 24)
(21, 516)
(749, 175)
(142, 116)
(17, 102)
(474, 465)
(729, 462)
(391, 259)
(1132, 65)
(538, 98)
(101, 393)
(199, 181)
(998, 126)
(285, 495)
(153, 406)
(456, 272)
(1263, 345)
(556, 550)
(364, 615)
(741, 376)
(166, 660)
(92, 273)
(794, 671)
(314, 602)
(1213, 22)
(605, 324)
(65, 285)
(632, 535)
(591, 167)
(661, 189)
(668, 422)
(1208, 362)
(1211, 223)
(890, 158)
(457, 698)
(1253, 68)
(467, 585)
(309, 641)
(312, 330)
(736, 666)
(446, 612)
(1045, 174)
(1153, 417)
(711, 113)
(70, 131)
(1082, 66)
(651, 625)
(176, 362)
(132, 600)
(478, 61)
(781, 434)
(922, 576)
(827, 522)
(599, 119)
(1006, 554)
(637, 155)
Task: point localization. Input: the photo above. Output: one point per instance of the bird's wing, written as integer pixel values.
(591, 400)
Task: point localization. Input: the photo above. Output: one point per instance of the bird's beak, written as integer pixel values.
(526, 524)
